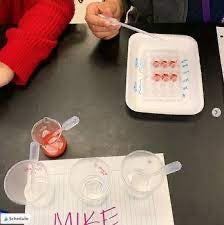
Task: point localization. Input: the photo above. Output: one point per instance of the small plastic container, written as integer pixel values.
(27, 182)
(90, 180)
(141, 173)
(42, 130)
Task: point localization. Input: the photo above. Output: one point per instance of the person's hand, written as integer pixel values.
(6, 74)
(100, 27)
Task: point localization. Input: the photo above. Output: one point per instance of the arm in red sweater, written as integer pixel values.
(35, 37)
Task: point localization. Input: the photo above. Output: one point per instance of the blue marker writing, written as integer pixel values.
(186, 80)
(135, 86)
(136, 62)
(139, 64)
(183, 61)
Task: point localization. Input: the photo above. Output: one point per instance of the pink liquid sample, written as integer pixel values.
(53, 144)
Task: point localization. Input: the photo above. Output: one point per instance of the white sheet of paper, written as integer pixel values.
(155, 210)
(220, 35)
(80, 11)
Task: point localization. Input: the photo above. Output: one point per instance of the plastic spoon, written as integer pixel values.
(168, 169)
(115, 22)
(67, 125)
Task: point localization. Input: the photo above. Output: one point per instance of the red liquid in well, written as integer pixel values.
(55, 146)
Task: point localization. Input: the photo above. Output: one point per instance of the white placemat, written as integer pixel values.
(119, 208)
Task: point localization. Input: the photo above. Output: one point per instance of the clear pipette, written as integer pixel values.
(67, 125)
(115, 22)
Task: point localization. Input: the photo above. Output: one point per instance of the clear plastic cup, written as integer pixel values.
(90, 180)
(142, 173)
(28, 182)
(45, 128)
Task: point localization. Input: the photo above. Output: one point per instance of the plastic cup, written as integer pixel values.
(90, 180)
(28, 182)
(40, 132)
(142, 173)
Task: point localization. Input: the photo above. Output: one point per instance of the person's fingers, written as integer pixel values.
(110, 10)
(106, 35)
(103, 35)
(97, 21)
(6, 74)
(112, 36)
(106, 11)
(104, 29)
(92, 17)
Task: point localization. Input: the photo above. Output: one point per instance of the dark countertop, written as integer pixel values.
(86, 77)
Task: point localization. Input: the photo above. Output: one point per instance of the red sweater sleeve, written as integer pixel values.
(35, 37)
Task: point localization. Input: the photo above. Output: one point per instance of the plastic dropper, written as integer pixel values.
(34, 151)
(67, 125)
(115, 22)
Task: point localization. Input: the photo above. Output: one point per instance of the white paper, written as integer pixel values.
(155, 210)
(220, 35)
(80, 11)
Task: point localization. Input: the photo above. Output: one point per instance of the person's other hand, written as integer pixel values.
(6, 74)
(100, 27)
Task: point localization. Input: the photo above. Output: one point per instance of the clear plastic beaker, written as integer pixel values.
(28, 182)
(142, 173)
(48, 133)
(90, 180)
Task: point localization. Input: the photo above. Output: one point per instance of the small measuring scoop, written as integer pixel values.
(168, 169)
(115, 22)
(67, 125)
(27, 181)
(143, 172)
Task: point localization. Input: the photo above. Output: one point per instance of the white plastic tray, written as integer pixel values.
(179, 90)
(220, 35)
